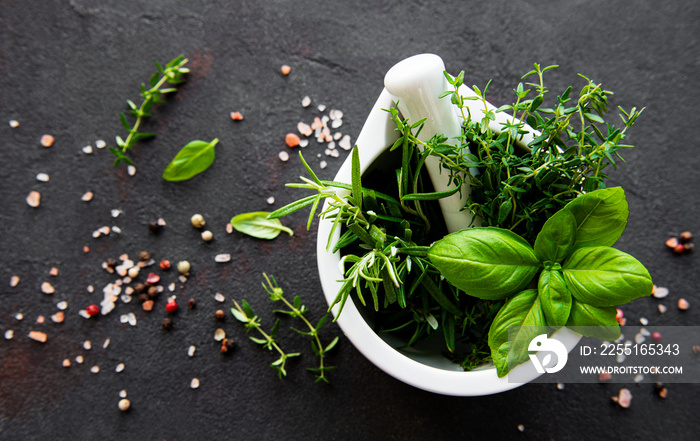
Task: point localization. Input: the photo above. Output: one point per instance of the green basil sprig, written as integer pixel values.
(191, 160)
(581, 277)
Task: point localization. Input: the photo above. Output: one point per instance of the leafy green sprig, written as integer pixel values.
(245, 315)
(380, 246)
(172, 73)
(519, 186)
(297, 310)
(580, 277)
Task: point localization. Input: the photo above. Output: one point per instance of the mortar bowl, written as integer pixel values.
(422, 368)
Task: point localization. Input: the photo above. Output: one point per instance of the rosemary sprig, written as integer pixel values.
(296, 309)
(251, 321)
(172, 74)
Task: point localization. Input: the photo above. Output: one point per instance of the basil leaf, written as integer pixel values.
(556, 239)
(555, 297)
(601, 216)
(191, 160)
(604, 276)
(592, 321)
(489, 263)
(257, 224)
(524, 312)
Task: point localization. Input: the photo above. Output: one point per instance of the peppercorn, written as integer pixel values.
(219, 314)
(153, 292)
(678, 249)
(165, 265)
(171, 306)
(154, 227)
(92, 310)
(167, 323)
(124, 404)
(144, 256)
(686, 236)
(152, 278)
(207, 236)
(111, 263)
(139, 287)
(143, 297)
(184, 267)
(689, 247)
(227, 345)
(198, 221)
(191, 303)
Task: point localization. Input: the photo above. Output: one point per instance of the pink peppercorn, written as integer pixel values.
(656, 336)
(92, 310)
(153, 278)
(171, 306)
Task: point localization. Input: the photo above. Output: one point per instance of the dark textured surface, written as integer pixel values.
(66, 68)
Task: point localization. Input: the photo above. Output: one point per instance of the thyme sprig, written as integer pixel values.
(172, 73)
(251, 322)
(297, 310)
(519, 188)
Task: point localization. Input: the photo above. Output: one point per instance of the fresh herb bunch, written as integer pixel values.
(521, 193)
(580, 278)
(173, 74)
(520, 186)
(380, 244)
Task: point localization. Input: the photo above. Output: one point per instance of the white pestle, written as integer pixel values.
(416, 83)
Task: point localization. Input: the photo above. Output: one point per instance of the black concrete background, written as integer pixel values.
(66, 68)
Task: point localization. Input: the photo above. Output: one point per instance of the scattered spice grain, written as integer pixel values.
(47, 141)
(292, 140)
(39, 336)
(34, 199)
(47, 288)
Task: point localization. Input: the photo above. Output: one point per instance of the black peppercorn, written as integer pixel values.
(167, 323)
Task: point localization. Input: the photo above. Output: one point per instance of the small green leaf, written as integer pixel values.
(259, 341)
(557, 237)
(356, 179)
(191, 160)
(601, 217)
(294, 206)
(504, 210)
(593, 321)
(331, 345)
(258, 225)
(489, 263)
(125, 123)
(430, 196)
(604, 276)
(555, 298)
(241, 317)
(524, 313)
